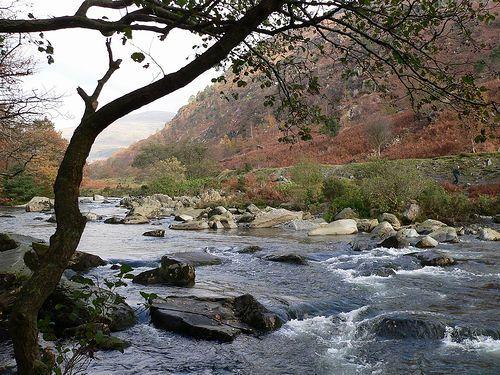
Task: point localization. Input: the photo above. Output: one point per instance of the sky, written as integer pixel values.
(81, 59)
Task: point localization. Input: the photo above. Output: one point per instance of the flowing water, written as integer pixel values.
(331, 305)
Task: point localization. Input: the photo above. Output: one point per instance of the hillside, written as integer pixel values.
(241, 132)
(125, 132)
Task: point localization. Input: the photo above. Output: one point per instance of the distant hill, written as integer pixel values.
(244, 132)
(125, 132)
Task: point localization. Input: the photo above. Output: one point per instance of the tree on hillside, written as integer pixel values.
(378, 133)
(405, 38)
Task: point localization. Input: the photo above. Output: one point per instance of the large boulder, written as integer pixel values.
(190, 225)
(346, 213)
(383, 230)
(148, 207)
(253, 209)
(209, 198)
(338, 227)
(82, 261)
(391, 219)
(135, 219)
(74, 303)
(445, 234)
(408, 233)
(91, 216)
(429, 226)
(411, 213)
(366, 225)
(7, 243)
(488, 234)
(38, 204)
(275, 216)
(406, 326)
(98, 197)
(171, 272)
(394, 242)
(22, 259)
(183, 218)
(213, 318)
(426, 242)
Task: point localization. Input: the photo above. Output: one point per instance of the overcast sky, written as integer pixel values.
(80, 59)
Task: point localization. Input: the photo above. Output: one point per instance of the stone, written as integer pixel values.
(190, 225)
(155, 233)
(38, 204)
(208, 198)
(21, 260)
(408, 233)
(488, 234)
(303, 225)
(219, 210)
(113, 220)
(196, 258)
(7, 243)
(429, 226)
(273, 217)
(407, 326)
(250, 249)
(394, 242)
(229, 224)
(147, 207)
(411, 213)
(213, 318)
(253, 209)
(384, 229)
(90, 216)
(287, 258)
(391, 219)
(434, 259)
(118, 315)
(183, 218)
(246, 217)
(171, 272)
(135, 219)
(346, 213)
(52, 219)
(366, 225)
(426, 243)
(215, 225)
(82, 261)
(445, 234)
(338, 227)
(98, 197)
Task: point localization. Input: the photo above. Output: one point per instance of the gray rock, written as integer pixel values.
(90, 216)
(196, 258)
(429, 226)
(113, 220)
(445, 234)
(394, 242)
(434, 258)
(384, 229)
(246, 217)
(213, 318)
(426, 243)
(183, 218)
(190, 225)
(337, 227)
(488, 234)
(408, 233)
(366, 225)
(38, 204)
(135, 218)
(98, 197)
(301, 225)
(82, 261)
(287, 258)
(250, 249)
(411, 213)
(7, 243)
(253, 209)
(391, 219)
(171, 272)
(274, 217)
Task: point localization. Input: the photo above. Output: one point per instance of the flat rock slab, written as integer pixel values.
(213, 318)
(196, 258)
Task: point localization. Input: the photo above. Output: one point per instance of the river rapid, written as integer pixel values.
(332, 305)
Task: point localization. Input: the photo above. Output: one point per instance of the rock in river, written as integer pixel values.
(81, 261)
(406, 326)
(7, 243)
(445, 234)
(337, 227)
(383, 230)
(213, 318)
(287, 258)
(273, 217)
(395, 242)
(190, 225)
(155, 233)
(391, 219)
(171, 272)
(434, 259)
(488, 234)
(135, 219)
(37, 204)
(426, 242)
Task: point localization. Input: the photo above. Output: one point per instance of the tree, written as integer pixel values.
(373, 37)
(378, 132)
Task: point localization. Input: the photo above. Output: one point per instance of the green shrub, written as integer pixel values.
(22, 188)
(307, 183)
(439, 204)
(172, 187)
(342, 193)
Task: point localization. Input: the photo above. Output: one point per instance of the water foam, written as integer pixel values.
(479, 343)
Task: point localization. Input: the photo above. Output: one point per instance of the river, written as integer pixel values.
(330, 305)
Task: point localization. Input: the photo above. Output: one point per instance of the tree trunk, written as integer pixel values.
(70, 226)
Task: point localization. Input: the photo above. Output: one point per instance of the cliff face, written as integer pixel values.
(244, 131)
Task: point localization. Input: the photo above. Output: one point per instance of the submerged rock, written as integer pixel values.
(338, 227)
(155, 233)
(171, 272)
(213, 318)
(250, 249)
(37, 204)
(287, 258)
(196, 258)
